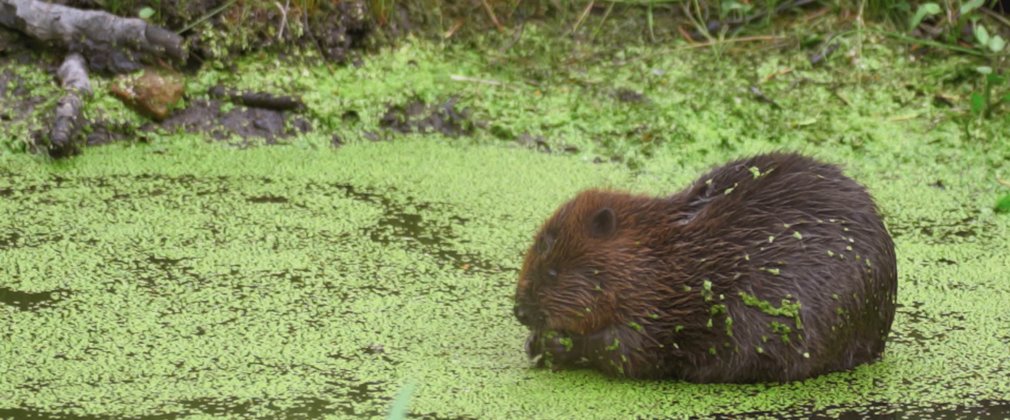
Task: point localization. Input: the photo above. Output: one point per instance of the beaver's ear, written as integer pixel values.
(603, 223)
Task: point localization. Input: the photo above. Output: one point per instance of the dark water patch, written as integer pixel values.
(164, 263)
(29, 301)
(41, 414)
(66, 413)
(39, 239)
(402, 223)
(925, 329)
(944, 231)
(362, 393)
(308, 408)
(220, 406)
(946, 261)
(982, 410)
(267, 199)
(9, 240)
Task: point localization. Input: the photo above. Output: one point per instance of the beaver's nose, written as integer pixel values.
(527, 315)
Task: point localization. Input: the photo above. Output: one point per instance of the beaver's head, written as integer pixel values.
(583, 270)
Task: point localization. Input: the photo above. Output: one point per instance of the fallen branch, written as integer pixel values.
(257, 99)
(73, 75)
(109, 42)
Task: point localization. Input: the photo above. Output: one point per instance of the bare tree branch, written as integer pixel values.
(109, 42)
(74, 77)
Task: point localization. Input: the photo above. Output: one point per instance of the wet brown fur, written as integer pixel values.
(641, 287)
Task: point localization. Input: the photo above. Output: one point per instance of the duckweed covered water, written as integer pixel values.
(189, 278)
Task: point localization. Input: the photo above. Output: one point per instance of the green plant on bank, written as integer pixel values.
(955, 16)
(987, 44)
(984, 101)
(1003, 204)
(990, 96)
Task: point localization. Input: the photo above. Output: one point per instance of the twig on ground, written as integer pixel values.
(933, 44)
(582, 17)
(284, 18)
(775, 74)
(257, 99)
(209, 15)
(603, 20)
(995, 15)
(761, 97)
(452, 30)
(491, 15)
(516, 36)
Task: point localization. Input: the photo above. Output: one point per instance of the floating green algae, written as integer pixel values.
(184, 289)
(186, 278)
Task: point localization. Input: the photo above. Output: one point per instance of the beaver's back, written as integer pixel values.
(807, 264)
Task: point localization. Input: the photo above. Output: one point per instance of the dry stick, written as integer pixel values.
(582, 17)
(209, 15)
(603, 21)
(452, 31)
(284, 18)
(73, 74)
(458, 78)
(517, 36)
(257, 99)
(490, 14)
(312, 36)
(996, 16)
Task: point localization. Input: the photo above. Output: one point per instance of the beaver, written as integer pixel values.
(772, 268)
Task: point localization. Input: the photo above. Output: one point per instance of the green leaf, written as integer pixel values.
(996, 43)
(994, 79)
(735, 6)
(398, 410)
(970, 6)
(977, 103)
(145, 13)
(981, 35)
(925, 9)
(1003, 204)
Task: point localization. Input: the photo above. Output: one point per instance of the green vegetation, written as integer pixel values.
(786, 309)
(175, 275)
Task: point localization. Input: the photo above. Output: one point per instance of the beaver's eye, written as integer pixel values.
(551, 277)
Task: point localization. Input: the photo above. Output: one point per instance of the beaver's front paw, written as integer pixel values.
(551, 349)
